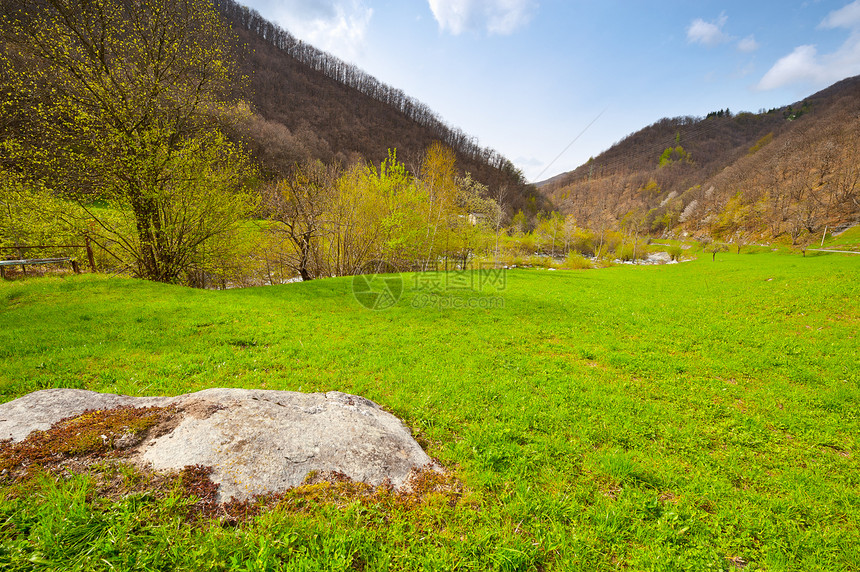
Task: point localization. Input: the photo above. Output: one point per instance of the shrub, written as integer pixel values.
(583, 242)
(630, 251)
(624, 252)
(611, 241)
(576, 261)
(540, 261)
(675, 251)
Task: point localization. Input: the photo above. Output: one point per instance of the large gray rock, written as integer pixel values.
(255, 441)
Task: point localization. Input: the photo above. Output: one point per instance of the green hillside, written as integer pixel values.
(693, 416)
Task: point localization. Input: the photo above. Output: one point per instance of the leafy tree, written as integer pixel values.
(519, 223)
(336, 221)
(30, 216)
(438, 178)
(714, 248)
(550, 231)
(472, 219)
(403, 207)
(633, 223)
(761, 143)
(738, 221)
(674, 155)
(497, 217)
(120, 104)
(570, 228)
(367, 216)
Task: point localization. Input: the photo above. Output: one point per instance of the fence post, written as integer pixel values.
(90, 254)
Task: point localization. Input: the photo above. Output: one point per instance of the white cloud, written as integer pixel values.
(496, 16)
(798, 66)
(711, 34)
(748, 44)
(846, 17)
(708, 33)
(805, 65)
(336, 26)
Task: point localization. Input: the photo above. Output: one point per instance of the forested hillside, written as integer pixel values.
(786, 172)
(311, 104)
(192, 141)
(192, 148)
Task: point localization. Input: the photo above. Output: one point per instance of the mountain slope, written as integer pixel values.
(314, 105)
(777, 167)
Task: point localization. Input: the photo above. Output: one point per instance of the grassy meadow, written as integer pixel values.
(697, 416)
(848, 239)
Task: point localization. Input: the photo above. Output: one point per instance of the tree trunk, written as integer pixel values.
(305, 247)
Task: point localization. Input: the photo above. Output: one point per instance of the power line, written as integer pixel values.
(581, 133)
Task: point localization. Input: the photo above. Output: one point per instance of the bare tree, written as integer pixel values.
(299, 205)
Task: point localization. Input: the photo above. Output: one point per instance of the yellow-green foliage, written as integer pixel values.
(549, 234)
(652, 188)
(582, 241)
(334, 222)
(674, 155)
(761, 143)
(31, 216)
(607, 243)
(576, 261)
(118, 103)
(675, 251)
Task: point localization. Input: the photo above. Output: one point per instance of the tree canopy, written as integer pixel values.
(118, 104)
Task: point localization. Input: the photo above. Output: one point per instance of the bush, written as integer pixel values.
(583, 242)
(576, 261)
(675, 251)
(540, 261)
(631, 252)
(512, 260)
(525, 244)
(611, 241)
(624, 252)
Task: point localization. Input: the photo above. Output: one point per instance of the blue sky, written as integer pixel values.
(535, 79)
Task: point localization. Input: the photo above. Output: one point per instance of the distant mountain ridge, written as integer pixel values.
(318, 106)
(782, 163)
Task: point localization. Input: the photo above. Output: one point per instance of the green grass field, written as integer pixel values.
(848, 239)
(699, 416)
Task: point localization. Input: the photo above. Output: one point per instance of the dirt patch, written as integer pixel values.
(201, 409)
(76, 442)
